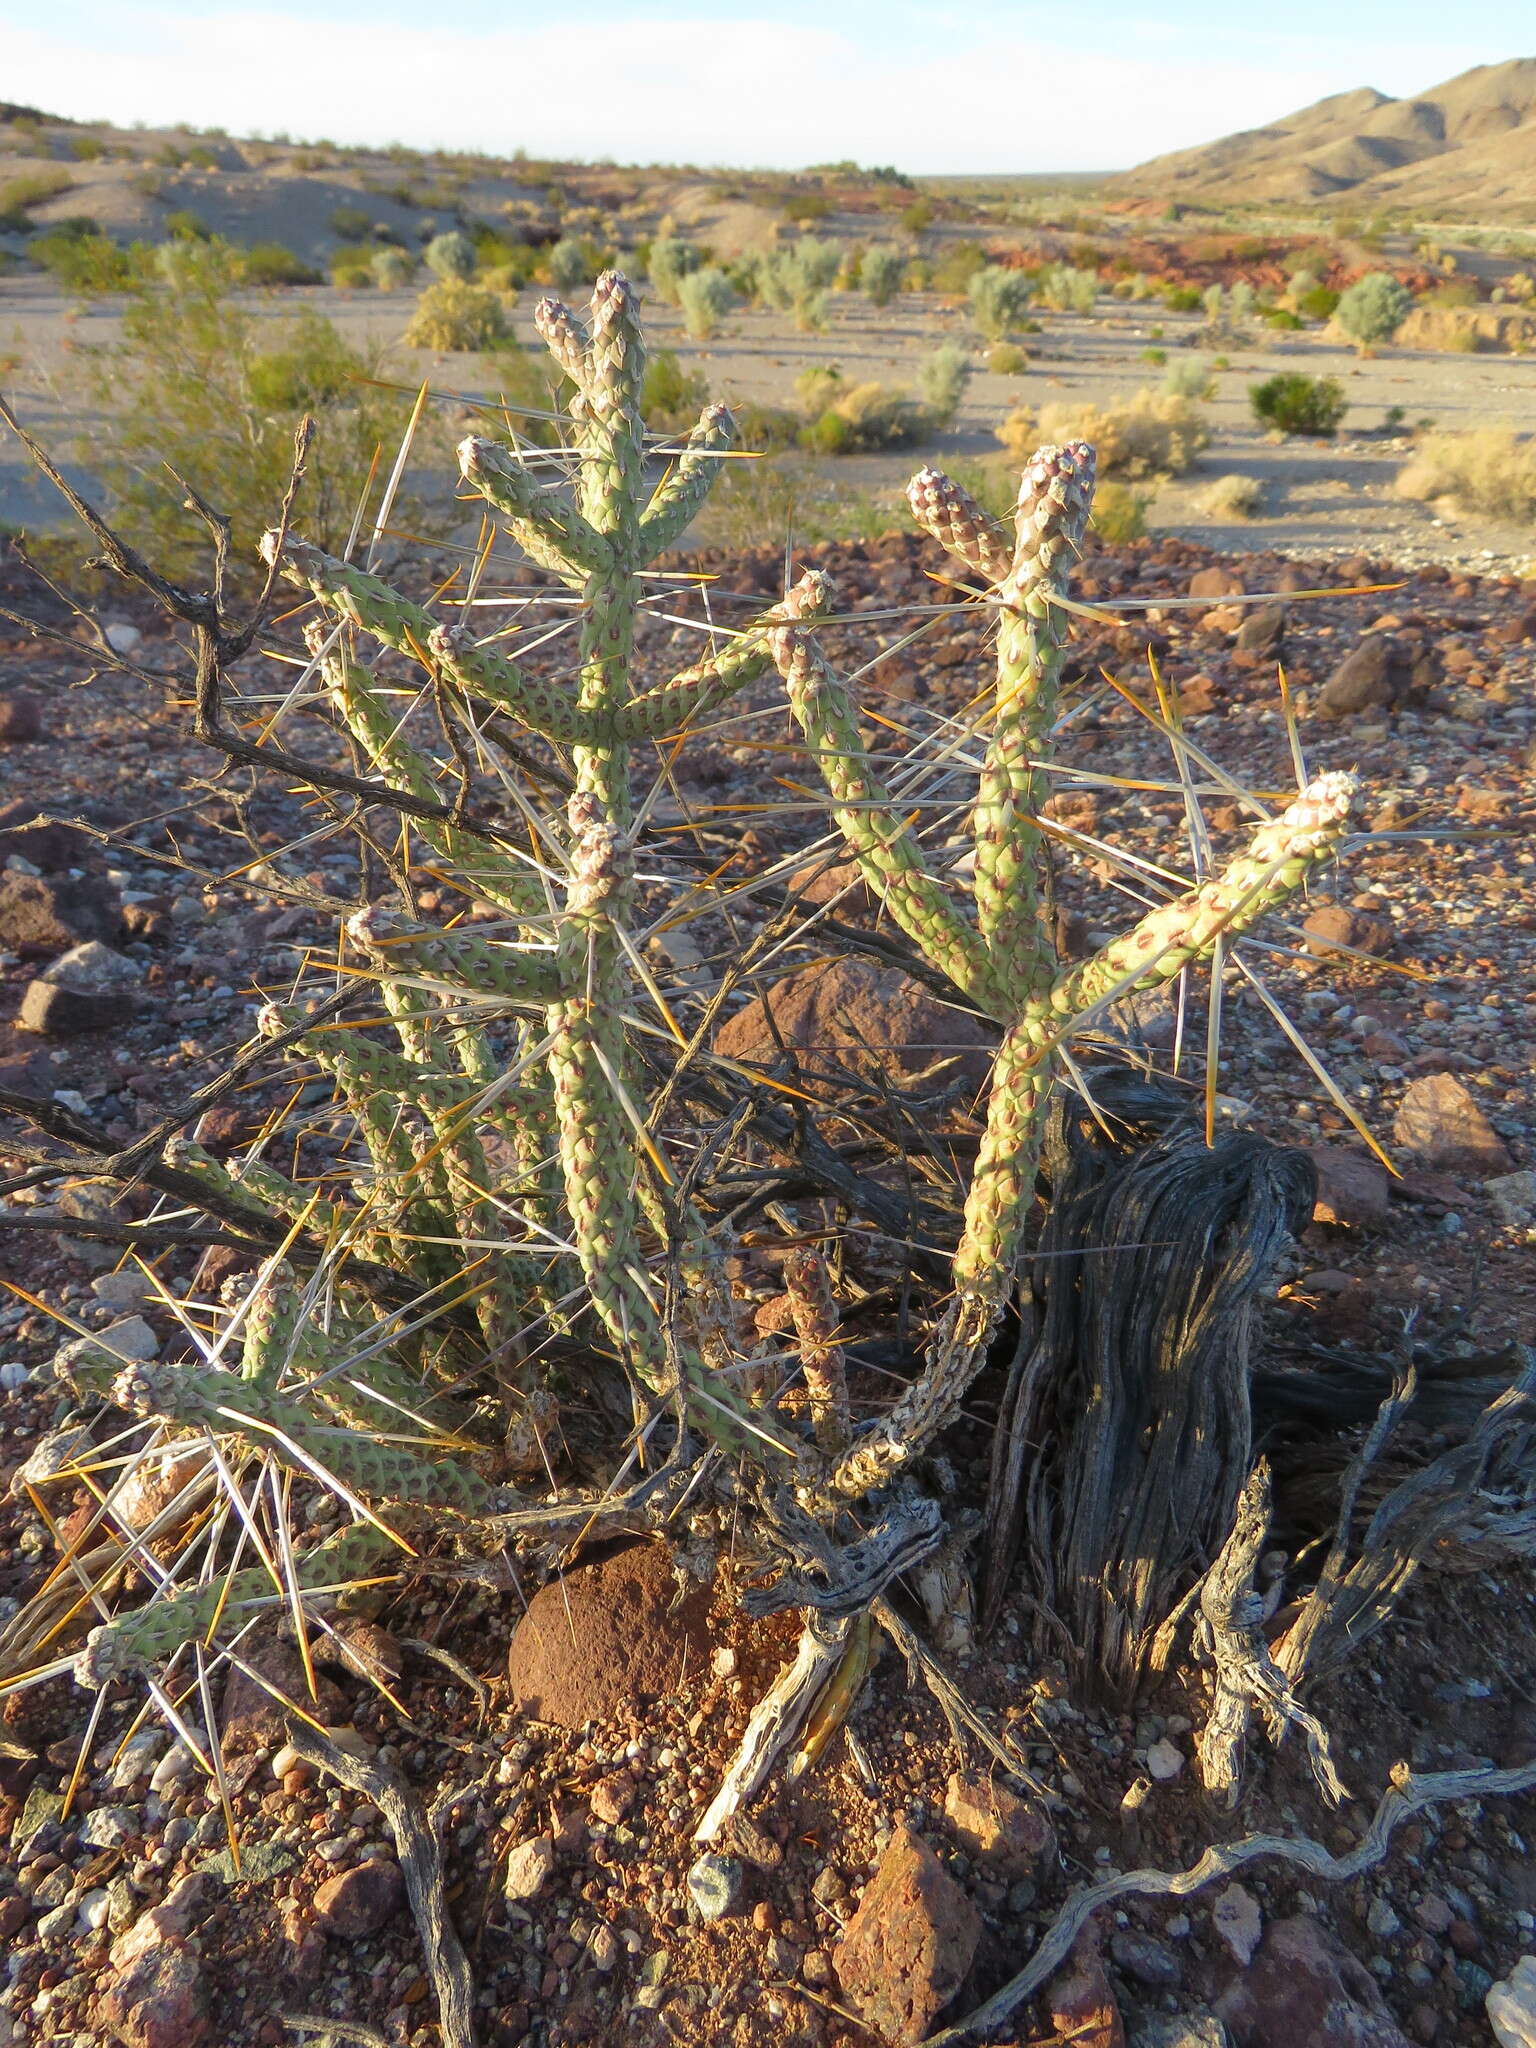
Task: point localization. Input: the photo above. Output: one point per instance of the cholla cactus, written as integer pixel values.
(998, 950)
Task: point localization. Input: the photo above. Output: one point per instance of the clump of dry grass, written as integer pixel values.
(454, 316)
(1491, 470)
(1232, 497)
(1151, 433)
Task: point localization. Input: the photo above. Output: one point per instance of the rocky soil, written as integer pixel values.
(571, 1736)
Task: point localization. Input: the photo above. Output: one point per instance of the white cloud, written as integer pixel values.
(745, 91)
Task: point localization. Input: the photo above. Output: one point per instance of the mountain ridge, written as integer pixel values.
(1469, 141)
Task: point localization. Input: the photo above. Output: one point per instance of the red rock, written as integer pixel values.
(1383, 670)
(1080, 2002)
(1302, 1988)
(356, 1903)
(160, 2000)
(817, 883)
(1332, 925)
(906, 1950)
(1353, 1189)
(1215, 582)
(606, 1634)
(1440, 1125)
(852, 1014)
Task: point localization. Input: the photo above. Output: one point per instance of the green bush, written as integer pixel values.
(881, 274)
(1067, 289)
(1181, 298)
(392, 268)
(1007, 359)
(942, 378)
(1373, 308)
(19, 195)
(917, 216)
(88, 264)
(450, 255)
(350, 224)
(1189, 379)
(86, 149)
(999, 298)
(269, 263)
(199, 385)
(1320, 303)
(572, 264)
(1296, 404)
(454, 317)
(957, 266)
(351, 269)
(1119, 513)
(672, 398)
(1282, 318)
(705, 297)
(670, 260)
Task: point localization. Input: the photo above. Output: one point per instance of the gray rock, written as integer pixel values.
(108, 1827)
(1514, 1197)
(715, 1885)
(93, 966)
(1145, 1959)
(55, 1012)
(58, 1922)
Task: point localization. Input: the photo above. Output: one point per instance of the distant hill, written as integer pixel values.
(1467, 146)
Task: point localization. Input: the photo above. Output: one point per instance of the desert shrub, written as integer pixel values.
(19, 195)
(86, 149)
(454, 316)
(865, 417)
(1318, 303)
(1151, 433)
(1155, 356)
(766, 429)
(1232, 497)
(918, 215)
(1007, 359)
(705, 297)
(350, 224)
(451, 255)
(186, 226)
(807, 206)
(672, 398)
(795, 281)
(1065, 288)
(671, 260)
(572, 263)
(392, 268)
(1241, 302)
(200, 385)
(351, 269)
(957, 266)
(1293, 403)
(881, 273)
(1189, 379)
(1119, 513)
(269, 263)
(87, 264)
(1282, 318)
(1181, 298)
(942, 378)
(998, 300)
(1373, 308)
(1488, 470)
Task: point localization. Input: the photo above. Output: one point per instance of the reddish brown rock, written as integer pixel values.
(1384, 670)
(842, 885)
(21, 717)
(42, 915)
(252, 1717)
(607, 1635)
(159, 2000)
(906, 1950)
(1080, 2002)
(1332, 925)
(853, 1014)
(1440, 1126)
(1302, 1987)
(1353, 1189)
(356, 1903)
(1215, 582)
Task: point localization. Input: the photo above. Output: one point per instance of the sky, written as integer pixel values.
(926, 87)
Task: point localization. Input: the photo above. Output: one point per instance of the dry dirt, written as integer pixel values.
(1319, 496)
